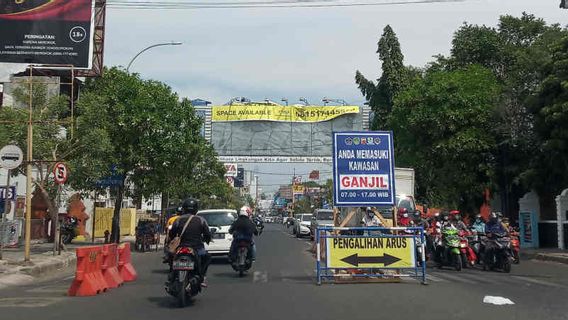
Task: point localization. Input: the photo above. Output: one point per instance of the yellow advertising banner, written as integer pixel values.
(260, 112)
(371, 252)
(298, 189)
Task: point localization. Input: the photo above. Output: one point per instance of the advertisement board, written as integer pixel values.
(363, 169)
(55, 32)
(260, 112)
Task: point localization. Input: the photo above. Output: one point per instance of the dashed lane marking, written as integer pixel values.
(29, 302)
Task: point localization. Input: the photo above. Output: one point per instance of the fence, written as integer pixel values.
(369, 251)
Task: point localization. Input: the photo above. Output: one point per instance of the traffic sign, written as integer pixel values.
(363, 169)
(11, 157)
(371, 252)
(231, 169)
(60, 173)
(11, 193)
(230, 181)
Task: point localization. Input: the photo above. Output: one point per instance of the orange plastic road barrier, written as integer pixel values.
(89, 280)
(125, 267)
(110, 266)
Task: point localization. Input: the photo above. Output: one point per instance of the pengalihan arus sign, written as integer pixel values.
(371, 252)
(252, 112)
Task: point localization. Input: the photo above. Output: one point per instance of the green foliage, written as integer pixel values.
(442, 128)
(550, 108)
(393, 79)
(149, 136)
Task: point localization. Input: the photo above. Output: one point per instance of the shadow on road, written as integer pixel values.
(168, 302)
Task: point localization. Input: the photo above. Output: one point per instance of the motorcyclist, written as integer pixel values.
(243, 229)
(404, 219)
(419, 221)
(196, 233)
(370, 219)
(456, 221)
(478, 225)
(493, 228)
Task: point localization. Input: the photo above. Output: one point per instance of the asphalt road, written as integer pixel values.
(281, 285)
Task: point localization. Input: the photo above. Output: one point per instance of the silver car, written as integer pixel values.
(320, 218)
(302, 225)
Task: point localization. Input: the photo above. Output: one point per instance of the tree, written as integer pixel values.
(394, 77)
(442, 128)
(51, 141)
(550, 107)
(515, 52)
(149, 137)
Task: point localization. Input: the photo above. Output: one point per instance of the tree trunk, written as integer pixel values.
(115, 232)
(53, 211)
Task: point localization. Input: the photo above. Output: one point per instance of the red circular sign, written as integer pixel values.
(60, 173)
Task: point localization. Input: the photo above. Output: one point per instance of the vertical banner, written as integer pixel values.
(363, 169)
(58, 32)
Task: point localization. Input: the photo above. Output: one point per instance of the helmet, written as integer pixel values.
(478, 216)
(493, 216)
(405, 215)
(445, 216)
(417, 214)
(245, 211)
(190, 206)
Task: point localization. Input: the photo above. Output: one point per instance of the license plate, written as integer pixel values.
(183, 265)
(218, 236)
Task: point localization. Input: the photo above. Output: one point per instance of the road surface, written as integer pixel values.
(281, 285)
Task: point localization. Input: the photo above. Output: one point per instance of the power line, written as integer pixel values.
(260, 4)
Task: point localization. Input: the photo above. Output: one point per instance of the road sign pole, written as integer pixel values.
(28, 228)
(6, 211)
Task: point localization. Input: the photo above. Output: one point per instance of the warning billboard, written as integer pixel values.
(257, 112)
(371, 252)
(56, 32)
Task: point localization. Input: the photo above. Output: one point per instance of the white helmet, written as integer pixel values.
(245, 211)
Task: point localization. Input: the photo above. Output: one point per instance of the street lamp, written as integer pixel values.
(150, 47)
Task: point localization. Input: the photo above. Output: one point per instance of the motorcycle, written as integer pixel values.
(515, 247)
(68, 229)
(449, 253)
(468, 255)
(259, 225)
(498, 253)
(185, 279)
(242, 259)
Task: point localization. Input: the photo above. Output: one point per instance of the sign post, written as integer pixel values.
(60, 175)
(11, 157)
(363, 169)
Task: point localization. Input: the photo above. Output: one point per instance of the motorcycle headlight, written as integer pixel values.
(463, 245)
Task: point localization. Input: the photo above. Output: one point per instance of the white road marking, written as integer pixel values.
(260, 276)
(500, 301)
(457, 278)
(536, 281)
(28, 302)
(430, 277)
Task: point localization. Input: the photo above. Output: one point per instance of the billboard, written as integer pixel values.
(56, 32)
(272, 131)
(363, 169)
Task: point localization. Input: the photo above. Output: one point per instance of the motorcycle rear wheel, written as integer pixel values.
(457, 262)
(182, 294)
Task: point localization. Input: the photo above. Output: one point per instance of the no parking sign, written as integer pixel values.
(60, 173)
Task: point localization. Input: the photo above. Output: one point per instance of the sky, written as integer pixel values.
(291, 53)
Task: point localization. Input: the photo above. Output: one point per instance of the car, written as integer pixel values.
(219, 221)
(302, 224)
(320, 218)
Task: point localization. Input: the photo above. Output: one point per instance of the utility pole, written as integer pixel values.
(256, 194)
(28, 228)
(293, 196)
(5, 213)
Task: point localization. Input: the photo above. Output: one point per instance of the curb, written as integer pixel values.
(50, 265)
(552, 257)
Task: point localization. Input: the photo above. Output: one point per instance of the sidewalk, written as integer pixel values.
(543, 254)
(15, 271)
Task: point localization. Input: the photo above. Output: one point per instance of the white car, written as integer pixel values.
(302, 225)
(219, 221)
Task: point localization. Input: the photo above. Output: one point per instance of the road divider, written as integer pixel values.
(363, 253)
(100, 268)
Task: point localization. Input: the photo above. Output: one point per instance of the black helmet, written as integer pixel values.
(417, 214)
(190, 206)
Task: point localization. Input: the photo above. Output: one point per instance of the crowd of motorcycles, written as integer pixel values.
(451, 243)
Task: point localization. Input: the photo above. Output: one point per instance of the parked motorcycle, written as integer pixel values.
(185, 279)
(449, 253)
(498, 253)
(242, 257)
(68, 229)
(468, 256)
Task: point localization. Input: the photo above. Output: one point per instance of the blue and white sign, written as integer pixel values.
(363, 169)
